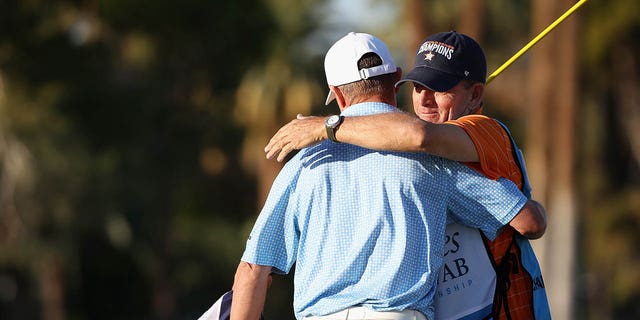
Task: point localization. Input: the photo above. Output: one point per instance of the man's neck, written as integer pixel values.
(374, 98)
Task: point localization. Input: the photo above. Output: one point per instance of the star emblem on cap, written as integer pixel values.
(429, 56)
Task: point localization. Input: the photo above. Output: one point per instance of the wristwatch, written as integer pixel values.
(331, 124)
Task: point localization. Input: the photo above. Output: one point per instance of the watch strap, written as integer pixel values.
(331, 129)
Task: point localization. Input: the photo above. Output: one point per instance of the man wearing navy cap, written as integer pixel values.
(448, 78)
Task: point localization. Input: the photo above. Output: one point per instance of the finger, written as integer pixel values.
(274, 140)
(269, 147)
(283, 153)
(274, 147)
(270, 154)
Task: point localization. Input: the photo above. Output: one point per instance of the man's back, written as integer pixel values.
(365, 227)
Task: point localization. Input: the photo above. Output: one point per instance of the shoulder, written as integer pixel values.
(476, 121)
(485, 132)
(493, 145)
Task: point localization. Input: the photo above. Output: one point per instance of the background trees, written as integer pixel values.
(131, 135)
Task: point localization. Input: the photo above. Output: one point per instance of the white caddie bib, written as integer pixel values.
(467, 280)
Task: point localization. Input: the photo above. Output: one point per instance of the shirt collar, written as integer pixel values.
(367, 108)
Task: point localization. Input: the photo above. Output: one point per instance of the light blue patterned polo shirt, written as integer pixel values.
(367, 227)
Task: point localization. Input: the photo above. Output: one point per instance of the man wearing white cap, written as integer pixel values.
(366, 229)
(448, 83)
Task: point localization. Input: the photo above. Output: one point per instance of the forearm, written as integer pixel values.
(390, 131)
(249, 291)
(395, 131)
(399, 131)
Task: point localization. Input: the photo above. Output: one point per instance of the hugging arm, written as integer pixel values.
(395, 131)
(531, 221)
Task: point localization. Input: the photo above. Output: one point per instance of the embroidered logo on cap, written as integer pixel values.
(438, 47)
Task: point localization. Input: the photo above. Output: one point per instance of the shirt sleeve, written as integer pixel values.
(482, 203)
(493, 146)
(273, 241)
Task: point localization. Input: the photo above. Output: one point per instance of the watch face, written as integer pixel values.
(332, 120)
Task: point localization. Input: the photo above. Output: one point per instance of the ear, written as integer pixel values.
(477, 92)
(477, 95)
(339, 97)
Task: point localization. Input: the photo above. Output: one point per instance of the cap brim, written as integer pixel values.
(433, 79)
(330, 97)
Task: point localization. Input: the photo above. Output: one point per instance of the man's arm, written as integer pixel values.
(531, 221)
(395, 131)
(249, 290)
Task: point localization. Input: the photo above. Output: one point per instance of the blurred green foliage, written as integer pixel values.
(125, 192)
(120, 105)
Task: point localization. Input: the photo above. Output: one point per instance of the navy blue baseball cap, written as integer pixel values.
(446, 58)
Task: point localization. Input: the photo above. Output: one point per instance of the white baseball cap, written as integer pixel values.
(341, 61)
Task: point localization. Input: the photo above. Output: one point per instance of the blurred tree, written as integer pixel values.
(121, 176)
(415, 29)
(551, 149)
(610, 167)
(271, 94)
(131, 136)
(472, 15)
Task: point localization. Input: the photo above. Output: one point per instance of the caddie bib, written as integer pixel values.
(467, 280)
